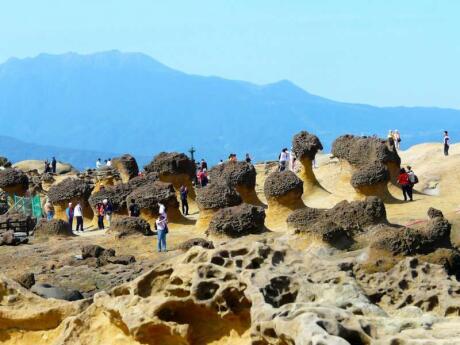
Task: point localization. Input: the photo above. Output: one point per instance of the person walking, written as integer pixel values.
(53, 165)
(283, 159)
(49, 210)
(404, 182)
(446, 143)
(248, 158)
(162, 229)
(78, 214)
(100, 215)
(183, 198)
(69, 214)
(108, 210)
(134, 209)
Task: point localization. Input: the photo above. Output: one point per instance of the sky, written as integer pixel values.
(385, 53)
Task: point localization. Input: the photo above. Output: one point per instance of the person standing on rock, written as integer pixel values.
(199, 176)
(404, 182)
(134, 209)
(203, 164)
(248, 158)
(397, 139)
(47, 167)
(49, 210)
(109, 162)
(183, 198)
(100, 215)
(98, 163)
(162, 229)
(53, 165)
(446, 143)
(283, 159)
(108, 210)
(69, 214)
(78, 214)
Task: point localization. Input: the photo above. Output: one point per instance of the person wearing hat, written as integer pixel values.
(69, 214)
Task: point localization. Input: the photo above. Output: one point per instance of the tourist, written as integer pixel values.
(220, 162)
(98, 163)
(446, 143)
(108, 210)
(232, 157)
(100, 215)
(47, 167)
(204, 178)
(134, 209)
(53, 165)
(161, 225)
(404, 182)
(397, 139)
(78, 214)
(413, 179)
(199, 176)
(292, 161)
(109, 162)
(283, 159)
(49, 210)
(183, 198)
(69, 214)
(248, 159)
(203, 164)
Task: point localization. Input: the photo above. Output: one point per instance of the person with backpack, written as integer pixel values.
(183, 198)
(78, 214)
(404, 182)
(413, 179)
(108, 210)
(134, 209)
(446, 143)
(161, 224)
(69, 214)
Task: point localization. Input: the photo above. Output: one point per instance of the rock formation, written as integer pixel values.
(123, 226)
(211, 198)
(149, 195)
(52, 228)
(4, 162)
(237, 221)
(305, 147)
(126, 166)
(39, 166)
(175, 168)
(13, 181)
(368, 164)
(283, 191)
(238, 175)
(72, 190)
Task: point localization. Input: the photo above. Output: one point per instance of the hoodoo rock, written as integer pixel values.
(149, 195)
(124, 226)
(52, 228)
(126, 166)
(116, 195)
(72, 190)
(238, 175)
(175, 168)
(237, 221)
(283, 191)
(13, 181)
(305, 147)
(212, 198)
(368, 165)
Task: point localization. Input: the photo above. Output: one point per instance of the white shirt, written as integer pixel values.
(161, 224)
(109, 163)
(98, 164)
(446, 140)
(77, 211)
(284, 156)
(411, 176)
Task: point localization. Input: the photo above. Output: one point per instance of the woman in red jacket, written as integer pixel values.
(404, 182)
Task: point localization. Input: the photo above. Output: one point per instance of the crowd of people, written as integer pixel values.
(51, 167)
(107, 162)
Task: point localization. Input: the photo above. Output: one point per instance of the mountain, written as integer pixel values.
(17, 150)
(128, 102)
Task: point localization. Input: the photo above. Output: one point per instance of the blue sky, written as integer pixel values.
(378, 52)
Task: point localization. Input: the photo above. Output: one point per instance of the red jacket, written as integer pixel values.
(403, 179)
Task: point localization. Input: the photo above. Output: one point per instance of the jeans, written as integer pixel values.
(161, 238)
(49, 215)
(407, 191)
(184, 206)
(446, 150)
(70, 222)
(100, 222)
(79, 223)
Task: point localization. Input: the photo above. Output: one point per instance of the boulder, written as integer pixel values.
(13, 181)
(126, 166)
(115, 194)
(196, 242)
(4, 162)
(51, 228)
(27, 280)
(139, 181)
(92, 251)
(123, 226)
(49, 291)
(237, 221)
(282, 183)
(171, 163)
(7, 238)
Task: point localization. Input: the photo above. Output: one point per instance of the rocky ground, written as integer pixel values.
(280, 286)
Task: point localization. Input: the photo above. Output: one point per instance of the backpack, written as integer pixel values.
(415, 179)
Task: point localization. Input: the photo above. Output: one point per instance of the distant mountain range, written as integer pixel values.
(128, 102)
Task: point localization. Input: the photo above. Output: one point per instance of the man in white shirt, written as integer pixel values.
(98, 163)
(283, 159)
(78, 214)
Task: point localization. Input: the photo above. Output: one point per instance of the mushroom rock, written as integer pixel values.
(238, 175)
(39, 166)
(72, 190)
(305, 147)
(104, 177)
(283, 191)
(368, 165)
(237, 221)
(139, 181)
(213, 197)
(149, 195)
(126, 166)
(124, 226)
(175, 168)
(52, 228)
(14, 181)
(116, 195)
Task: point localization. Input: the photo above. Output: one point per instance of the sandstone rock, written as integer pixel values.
(13, 180)
(115, 194)
(139, 181)
(53, 227)
(200, 242)
(306, 145)
(215, 196)
(4, 162)
(69, 189)
(433, 213)
(123, 226)
(8, 238)
(26, 280)
(171, 163)
(126, 166)
(237, 221)
(91, 251)
(370, 174)
(121, 259)
(234, 174)
(49, 291)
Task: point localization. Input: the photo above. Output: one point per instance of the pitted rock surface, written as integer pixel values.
(149, 195)
(306, 145)
(4, 162)
(370, 174)
(53, 227)
(127, 164)
(10, 177)
(123, 226)
(234, 174)
(116, 195)
(217, 195)
(281, 183)
(70, 188)
(237, 221)
(171, 163)
(193, 242)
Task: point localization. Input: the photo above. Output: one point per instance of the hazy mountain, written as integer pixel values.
(128, 102)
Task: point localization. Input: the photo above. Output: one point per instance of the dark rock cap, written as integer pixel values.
(53, 227)
(370, 174)
(306, 145)
(125, 225)
(10, 177)
(234, 174)
(127, 163)
(280, 183)
(149, 195)
(217, 195)
(70, 188)
(171, 163)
